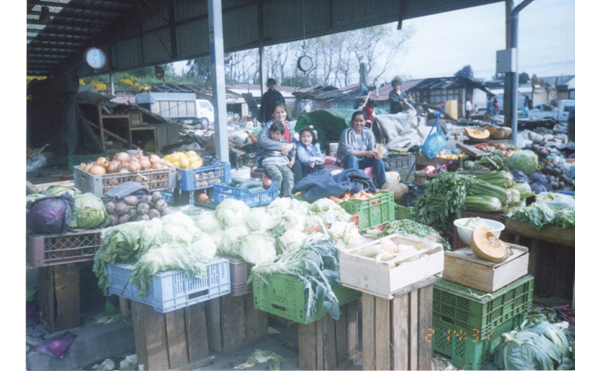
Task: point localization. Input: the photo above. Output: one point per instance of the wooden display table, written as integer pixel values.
(557, 235)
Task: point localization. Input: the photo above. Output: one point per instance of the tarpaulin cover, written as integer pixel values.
(402, 130)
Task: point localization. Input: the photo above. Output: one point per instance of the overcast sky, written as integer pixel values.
(444, 43)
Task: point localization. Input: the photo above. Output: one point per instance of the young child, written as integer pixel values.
(309, 153)
(276, 164)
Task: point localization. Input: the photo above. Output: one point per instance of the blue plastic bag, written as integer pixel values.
(435, 143)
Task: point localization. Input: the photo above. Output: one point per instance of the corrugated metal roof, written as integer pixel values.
(138, 33)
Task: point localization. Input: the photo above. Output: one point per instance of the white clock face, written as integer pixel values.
(305, 63)
(95, 58)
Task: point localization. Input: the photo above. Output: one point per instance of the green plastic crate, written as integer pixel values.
(402, 212)
(469, 348)
(285, 297)
(454, 303)
(371, 214)
(76, 160)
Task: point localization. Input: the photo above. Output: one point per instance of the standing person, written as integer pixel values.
(268, 100)
(357, 149)
(309, 152)
(279, 114)
(276, 164)
(489, 109)
(398, 98)
(496, 106)
(468, 108)
(528, 102)
(369, 109)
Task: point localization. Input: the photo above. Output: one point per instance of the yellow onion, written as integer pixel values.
(97, 170)
(134, 166)
(113, 167)
(145, 163)
(123, 170)
(154, 158)
(158, 165)
(102, 161)
(121, 156)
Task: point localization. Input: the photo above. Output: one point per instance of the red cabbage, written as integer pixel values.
(538, 188)
(538, 177)
(58, 346)
(50, 215)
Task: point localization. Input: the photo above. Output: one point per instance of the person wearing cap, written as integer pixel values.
(398, 98)
(268, 100)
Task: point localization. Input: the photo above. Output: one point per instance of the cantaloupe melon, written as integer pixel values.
(477, 134)
(486, 246)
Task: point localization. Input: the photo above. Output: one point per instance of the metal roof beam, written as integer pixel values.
(32, 3)
(43, 38)
(87, 17)
(47, 31)
(84, 24)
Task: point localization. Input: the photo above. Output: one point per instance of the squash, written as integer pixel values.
(477, 134)
(499, 133)
(486, 246)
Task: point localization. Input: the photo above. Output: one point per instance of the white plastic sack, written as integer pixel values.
(556, 200)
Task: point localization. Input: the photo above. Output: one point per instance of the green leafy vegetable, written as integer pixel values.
(410, 228)
(493, 160)
(261, 356)
(524, 350)
(57, 190)
(539, 215)
(88, 213)
(524, 160)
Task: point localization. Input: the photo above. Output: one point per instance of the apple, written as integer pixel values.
(267, 183)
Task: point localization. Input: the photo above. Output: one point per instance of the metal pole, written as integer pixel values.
(514, 37)
(261, 69)
(112, 83)
(217, 68)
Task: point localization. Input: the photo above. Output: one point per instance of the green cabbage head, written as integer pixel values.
(523, 160)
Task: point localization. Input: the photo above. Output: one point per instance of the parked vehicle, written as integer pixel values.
(560, 114)
(205, 111)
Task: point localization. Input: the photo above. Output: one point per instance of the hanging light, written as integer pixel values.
(45, 16)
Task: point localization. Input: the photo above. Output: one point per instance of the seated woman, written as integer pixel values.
(279, 114)
(309, 152)
(357, 149)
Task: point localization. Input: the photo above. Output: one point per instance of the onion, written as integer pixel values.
(121, 156)
(102, 161)
(84, 166)
(97, 170)
(114, 167)
(145, 163)
(139, 153)
(158, 165)
(154, 158)
(123, 170)
(125, 163)
(134, 166)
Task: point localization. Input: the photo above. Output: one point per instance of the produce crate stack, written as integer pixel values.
(372, 212)
(468, 323)
(154, 180)
(250, 192)
(396, 300)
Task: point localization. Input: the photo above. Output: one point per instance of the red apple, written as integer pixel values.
(267, 183)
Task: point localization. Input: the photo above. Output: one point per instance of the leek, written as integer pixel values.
(486, 204)
(482, 188)
(524, 189)
(498, 178)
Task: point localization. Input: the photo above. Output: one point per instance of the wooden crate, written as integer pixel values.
(462, 266)
(388, 277)
(397, 333)
(327, 344)
(557, 235)
(59, 296)
(233, 323)
(173, 340)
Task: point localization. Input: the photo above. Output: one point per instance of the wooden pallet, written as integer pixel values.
(59, 296)
(173, 340)
(327, 344)
(234, 323)
(397, 333)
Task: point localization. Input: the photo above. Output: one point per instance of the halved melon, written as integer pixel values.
(486, 246)
(499, 133)
(477, 134)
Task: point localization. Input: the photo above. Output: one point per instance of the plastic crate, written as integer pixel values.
(168, 197)
(76, 160)
(154, 180)
(173, 289)
(469, 348)
(203, 177)
(466, 307)
(66, 248)
(222, 192)
(372, 212)
(239, 271)
(285, 297)
(401, 212)
(400, 162)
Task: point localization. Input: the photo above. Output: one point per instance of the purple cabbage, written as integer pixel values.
(538, 188)
(540, 178)
(520, 177)
(50, 215)
(58, 346)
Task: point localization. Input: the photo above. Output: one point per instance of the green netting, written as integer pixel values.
(329, 123)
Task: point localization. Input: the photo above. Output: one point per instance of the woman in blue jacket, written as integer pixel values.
(357, 149)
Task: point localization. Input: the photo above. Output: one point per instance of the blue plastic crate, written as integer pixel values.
(168, 197)
(251, 199)
(203, 177)
(173, 289)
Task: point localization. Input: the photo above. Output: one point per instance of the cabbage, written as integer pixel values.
(328, 211)
(34, 196)
(208, 222)
(313, 221)
(290, 241)
(524, 160)
(88, 213)
(280, 205)
(50, 215)
(539, 178)
(257, 248)
(260, 221)
(344, 234)
(288, 220)
(217, 236)
(526, 351)
(232, 213)
(230, 242)
(58, 190)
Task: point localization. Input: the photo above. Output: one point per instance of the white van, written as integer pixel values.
(205, 111)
